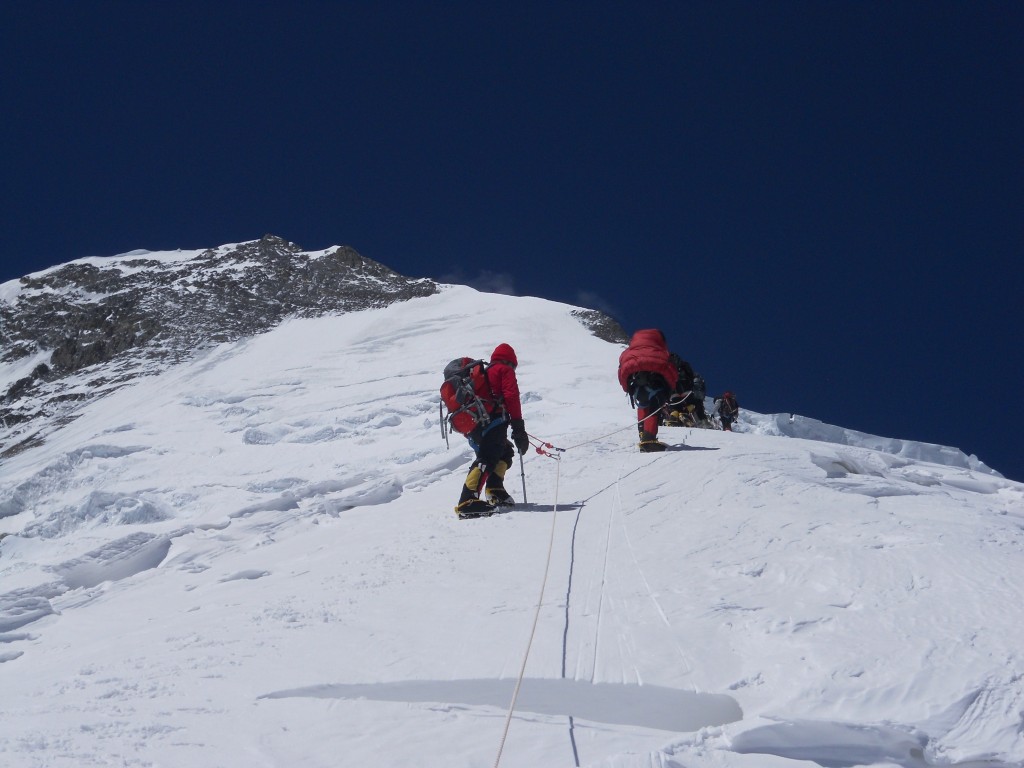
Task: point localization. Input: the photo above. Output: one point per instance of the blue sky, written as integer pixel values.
(819, 203)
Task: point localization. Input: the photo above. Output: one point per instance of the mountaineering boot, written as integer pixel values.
(499, 497)
(470, 504)
(473, 508)
(650, 444)
(495, 488)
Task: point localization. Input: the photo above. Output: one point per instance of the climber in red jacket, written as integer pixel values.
(494, 452)
(648, 376)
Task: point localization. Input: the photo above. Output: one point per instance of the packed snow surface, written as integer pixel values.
(252, 560)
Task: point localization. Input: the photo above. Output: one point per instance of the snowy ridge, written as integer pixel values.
(793, 425)
(80, 330)
(251, 558)
(138, 260)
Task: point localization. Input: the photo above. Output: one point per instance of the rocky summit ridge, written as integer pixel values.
(80, 330)
(86, 327)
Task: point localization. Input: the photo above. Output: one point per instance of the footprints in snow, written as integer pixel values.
(246, 414)
(87, 469)
(78, 581)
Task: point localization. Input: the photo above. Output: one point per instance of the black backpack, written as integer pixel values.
(729, 404)
(684, 381)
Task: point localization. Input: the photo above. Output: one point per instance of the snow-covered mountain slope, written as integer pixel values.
(251, 559)
(80, 330)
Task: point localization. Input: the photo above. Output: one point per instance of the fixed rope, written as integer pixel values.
(545, 448)
(536, 616)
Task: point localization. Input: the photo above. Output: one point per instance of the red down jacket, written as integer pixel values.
(647, 351)
(502, 376)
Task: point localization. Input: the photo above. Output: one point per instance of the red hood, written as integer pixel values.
(504, 352)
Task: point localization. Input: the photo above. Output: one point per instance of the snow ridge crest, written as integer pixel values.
(82, 329)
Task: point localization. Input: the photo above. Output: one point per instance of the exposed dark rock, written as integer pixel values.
(133, 316)
(601, 325)
(21, 445)
(139, 310)
(18, 389)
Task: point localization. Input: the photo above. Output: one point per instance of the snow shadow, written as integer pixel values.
(843, 745)
(345, 493)
(647, 706)
(683, 447)
(114, 561)
(24, 606)
(531, 507)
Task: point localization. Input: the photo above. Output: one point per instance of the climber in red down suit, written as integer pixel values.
(648, 376)
(490, 443)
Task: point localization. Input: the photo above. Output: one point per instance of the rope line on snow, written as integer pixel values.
(545, 448)
(565, 627)
(536, 617)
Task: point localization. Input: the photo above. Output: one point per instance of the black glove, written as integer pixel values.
(519, 436)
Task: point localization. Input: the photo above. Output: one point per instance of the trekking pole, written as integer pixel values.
(522, 474)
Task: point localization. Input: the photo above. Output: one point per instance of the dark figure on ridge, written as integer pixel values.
(686, 404)
(728, 409)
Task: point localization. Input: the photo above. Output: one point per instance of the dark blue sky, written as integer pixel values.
(820, 203)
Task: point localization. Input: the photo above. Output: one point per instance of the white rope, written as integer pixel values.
(634, 425)
(547, 569)
(536, 618)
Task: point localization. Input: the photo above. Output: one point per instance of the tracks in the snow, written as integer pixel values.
(613, 620)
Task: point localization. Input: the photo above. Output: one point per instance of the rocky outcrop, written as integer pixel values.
(601, 325)
(116, 319)
(92, 325)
